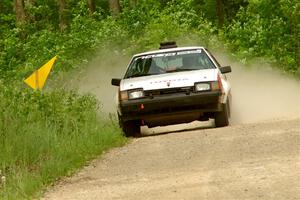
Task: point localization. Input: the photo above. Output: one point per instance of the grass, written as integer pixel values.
(48, 135)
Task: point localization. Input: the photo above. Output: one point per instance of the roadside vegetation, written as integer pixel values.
(49, 134)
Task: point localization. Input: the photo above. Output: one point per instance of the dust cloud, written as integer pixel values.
(96, 77)
(258, 92)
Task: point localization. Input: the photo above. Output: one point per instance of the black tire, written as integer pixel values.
(221, 118)
(130, 128)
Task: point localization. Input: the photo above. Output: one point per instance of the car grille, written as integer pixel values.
(151, 93)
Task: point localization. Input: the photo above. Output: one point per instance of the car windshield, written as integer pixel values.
(169, 62)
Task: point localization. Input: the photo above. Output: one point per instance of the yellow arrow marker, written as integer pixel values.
(38, 78)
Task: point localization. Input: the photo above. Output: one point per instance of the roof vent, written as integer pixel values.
(167, 45)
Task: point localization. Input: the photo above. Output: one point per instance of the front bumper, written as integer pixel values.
(173, 104)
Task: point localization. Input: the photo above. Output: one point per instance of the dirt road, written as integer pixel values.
(258, 160)
(250, 161)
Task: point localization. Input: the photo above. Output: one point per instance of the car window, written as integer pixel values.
(169, 62)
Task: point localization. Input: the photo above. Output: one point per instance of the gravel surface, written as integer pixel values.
(250, 161)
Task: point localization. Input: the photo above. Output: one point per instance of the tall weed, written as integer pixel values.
(46, 135)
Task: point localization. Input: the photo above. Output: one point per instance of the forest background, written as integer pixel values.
(46, 135)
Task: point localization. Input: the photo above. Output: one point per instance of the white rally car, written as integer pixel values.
(172, 85)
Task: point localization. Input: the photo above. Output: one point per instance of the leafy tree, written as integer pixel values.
(32, 30)
(268, 28)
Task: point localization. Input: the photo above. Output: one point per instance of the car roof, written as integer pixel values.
(168, 50)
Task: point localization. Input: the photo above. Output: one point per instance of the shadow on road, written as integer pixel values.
(193, 126)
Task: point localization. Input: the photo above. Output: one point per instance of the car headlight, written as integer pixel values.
(202, 87)
(135, 94)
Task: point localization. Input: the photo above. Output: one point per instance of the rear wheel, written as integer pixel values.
(130, 128)
(221, 118)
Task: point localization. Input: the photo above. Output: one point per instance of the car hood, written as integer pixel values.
(169, 80)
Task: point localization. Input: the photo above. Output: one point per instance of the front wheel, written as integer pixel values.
(221, 118)
(130, 128)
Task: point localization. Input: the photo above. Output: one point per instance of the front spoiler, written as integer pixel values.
(170, 105)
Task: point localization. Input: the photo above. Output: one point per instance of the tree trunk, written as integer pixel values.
(115, 7)
(62, 14)
(92, 7)
(2, 8)
(220, 12)
(132, 3)
(20, 11)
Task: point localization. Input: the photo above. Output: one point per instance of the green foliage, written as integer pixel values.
(268, 29)
(208, 8)
(46, 135)
(166, 21)
(260, 28)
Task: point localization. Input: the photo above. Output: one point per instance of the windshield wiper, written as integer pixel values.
(181, 70)
(139, 75)
(187, 69)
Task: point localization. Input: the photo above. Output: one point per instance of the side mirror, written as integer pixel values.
(225, 69)
(116, 81)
